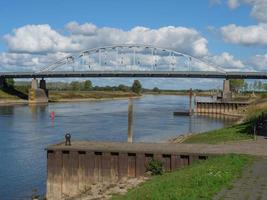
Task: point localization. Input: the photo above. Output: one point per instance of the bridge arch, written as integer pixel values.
(130, 57)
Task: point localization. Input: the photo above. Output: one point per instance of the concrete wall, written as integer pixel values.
(219, 107)
(38, 96)
(70, 172)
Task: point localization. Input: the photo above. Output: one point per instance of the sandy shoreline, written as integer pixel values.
(93, 99)
(7, 102)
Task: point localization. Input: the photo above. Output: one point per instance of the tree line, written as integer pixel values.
(238, 85)
(88, 86)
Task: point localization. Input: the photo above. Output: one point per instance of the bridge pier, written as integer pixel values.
(226, 93)
(2, 82)
(38, 94)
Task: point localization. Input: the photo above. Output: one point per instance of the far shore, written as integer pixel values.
(82, 96)
(93, 99)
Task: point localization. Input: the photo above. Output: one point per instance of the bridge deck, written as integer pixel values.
(155, 74)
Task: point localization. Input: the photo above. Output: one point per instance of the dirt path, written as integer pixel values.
(251, 186)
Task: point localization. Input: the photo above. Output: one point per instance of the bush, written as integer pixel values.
(156, 89)
(137, 87)
(155, 167)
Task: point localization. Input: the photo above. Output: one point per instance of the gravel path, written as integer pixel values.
(251, 186)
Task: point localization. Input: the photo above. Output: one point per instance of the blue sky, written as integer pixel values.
(211, 19)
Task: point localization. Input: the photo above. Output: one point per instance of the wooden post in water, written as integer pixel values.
(190, 101)
(130, 120)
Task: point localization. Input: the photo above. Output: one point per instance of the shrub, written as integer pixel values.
(155, 167)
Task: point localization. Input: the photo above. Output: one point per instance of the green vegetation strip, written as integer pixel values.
(201, 180)
(230, 134)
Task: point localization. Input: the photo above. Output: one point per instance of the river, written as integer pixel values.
(25, 131)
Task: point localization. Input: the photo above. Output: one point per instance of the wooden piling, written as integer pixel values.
(130, 120)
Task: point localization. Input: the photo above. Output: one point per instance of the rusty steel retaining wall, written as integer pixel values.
(71, 171)
(219, 107)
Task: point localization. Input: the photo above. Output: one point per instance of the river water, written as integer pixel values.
(25, 131)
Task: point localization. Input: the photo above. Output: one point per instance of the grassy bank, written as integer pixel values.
(237, 132)
(54, 96)
(230, 134)
(178, 93)
(72, 95)
(198, 181)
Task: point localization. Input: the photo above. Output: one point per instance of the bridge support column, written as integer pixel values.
(43, 84)
(2, 82)
(226, 94)
(36, 94)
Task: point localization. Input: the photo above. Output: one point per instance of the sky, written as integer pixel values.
(230, 33)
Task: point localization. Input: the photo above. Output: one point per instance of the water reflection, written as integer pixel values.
(38, 111)
(7, 110)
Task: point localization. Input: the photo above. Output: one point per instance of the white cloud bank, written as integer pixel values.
(250, 35)
(34, 46)
(259, 62)
(227, 61)
(44, 39)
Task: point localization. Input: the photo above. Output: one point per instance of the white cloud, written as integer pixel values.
(43, 39)
(26, 61)
(34, 46)
(259, 62)
(258, 10)
(38, 39)
(233, 4)
(250, 35)
(177, 38)
(227, 61)
(84, 29)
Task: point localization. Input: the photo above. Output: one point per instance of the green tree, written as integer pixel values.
(137, 87)
(123, 88)
(156, 89)
(87, 85)
(236, 84)
(75, 85)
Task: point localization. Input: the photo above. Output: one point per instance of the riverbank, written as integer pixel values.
(77, 96)
(179, 93)
(198, 181)
(240, 131)
(12, 98)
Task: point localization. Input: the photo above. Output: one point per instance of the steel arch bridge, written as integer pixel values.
(132, 60)
(131, 57)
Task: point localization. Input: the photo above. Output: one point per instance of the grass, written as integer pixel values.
(234, 133)
(230, 134)
(21, 93)
(201, 180)
(59, 95)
